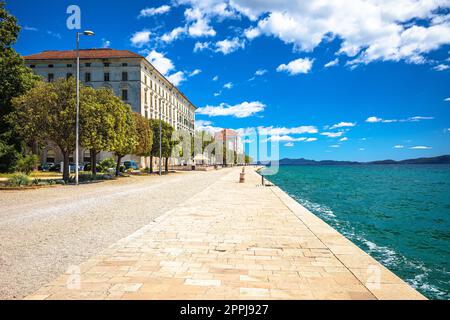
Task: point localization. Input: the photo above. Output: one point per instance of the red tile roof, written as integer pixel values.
(84, 54)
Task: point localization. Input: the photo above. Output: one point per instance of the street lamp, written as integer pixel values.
(161, 101)
(85, 33)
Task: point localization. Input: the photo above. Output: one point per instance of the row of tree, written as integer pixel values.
(47, 112)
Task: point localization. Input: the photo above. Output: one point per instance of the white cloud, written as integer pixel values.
(279, 131)
(296, 66)
(441, 67)
(216, 94)
(148, 12)
(332, 63)
(344, 139)
(203, 125)
(201, 28)
(195, 72)
(160, 62)
(228, 85)
(200, 46)
(289, 144)
(215, 78)
(374, 119)
(399, 146)
(252, 33)
(106, 43)
(362, 149)
(176, 78)
(173, 35)
(260, 72)
(342, 125)
(420, 148)
(27, 28)
(370, 29)
(140, 38)
(447, 99)
(335, 146)
(242, 110)
(333, 134)
(285, 138)
(311, 140)
(228, 46)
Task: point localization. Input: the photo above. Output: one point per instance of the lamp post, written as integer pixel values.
(77, 139)
(160, 134)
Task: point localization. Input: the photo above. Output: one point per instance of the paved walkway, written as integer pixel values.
(232, 241)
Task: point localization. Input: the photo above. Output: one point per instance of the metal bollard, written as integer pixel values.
(262, 180)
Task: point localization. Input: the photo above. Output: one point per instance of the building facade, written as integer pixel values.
(129, 75)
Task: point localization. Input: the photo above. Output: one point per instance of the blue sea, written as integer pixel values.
(399, 214)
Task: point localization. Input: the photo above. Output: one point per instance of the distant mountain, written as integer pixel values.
(305, 162)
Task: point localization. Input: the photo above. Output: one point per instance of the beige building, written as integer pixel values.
(129, 75)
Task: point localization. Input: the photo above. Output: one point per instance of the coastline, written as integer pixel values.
(255, 243)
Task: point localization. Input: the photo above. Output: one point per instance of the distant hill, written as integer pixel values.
(305, 162)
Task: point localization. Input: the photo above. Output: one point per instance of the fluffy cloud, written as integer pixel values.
(447, 99)
(420, 148)
(140, 38)
(311, 140)
(332, 134)
(289, 144)
(344, 139)
(173, 35)
(160, 62)
(374, 119)
(176, 78)
(228, 46)
(441, 67)
(285, 138)
(399, 146)
(148, 12)
(203, 125)
(332, 63)
(279, 131)
(215, 78)
(106, 43)
(260, 72)
(195, 72)
(228, 85)
(200, 46)
(342, 125)
(370, 30)
(296, 66)
(242, 110)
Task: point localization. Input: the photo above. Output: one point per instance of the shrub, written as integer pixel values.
(8, 157)
(107, 163)
(19, 180)
(27, 164)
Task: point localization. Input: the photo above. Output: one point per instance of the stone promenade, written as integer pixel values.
(231, 241)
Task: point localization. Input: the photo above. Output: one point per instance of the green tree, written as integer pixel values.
(47, 112)
(16, 79)
(167, 143)
(97, 121)
(144, 135)
(124, 141)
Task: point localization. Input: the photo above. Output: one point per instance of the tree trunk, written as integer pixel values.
(167, 165)
(119, 158)
(151, 164)
(66, 173)
(35, 150)
(93, 161)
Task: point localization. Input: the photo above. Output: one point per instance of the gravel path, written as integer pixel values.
(43, 232)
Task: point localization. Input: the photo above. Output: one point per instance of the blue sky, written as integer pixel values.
(359, 80)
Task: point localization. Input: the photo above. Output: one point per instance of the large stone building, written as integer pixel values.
(129, 75)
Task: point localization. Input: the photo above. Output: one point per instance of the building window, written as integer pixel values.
(146, 114)
(87, 65)
(145, 80)
(106, 64)
(106, 76)
(69, 65)
(145, 94)
(124, 95)
(124, 76)
(32, 66)
(87, 77)
(124, 64)
(50, 66)
(68, 75)
(50, 77)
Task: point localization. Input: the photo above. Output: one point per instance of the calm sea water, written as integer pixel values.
(399, 214)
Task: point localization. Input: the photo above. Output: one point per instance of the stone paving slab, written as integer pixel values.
(232, 241)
